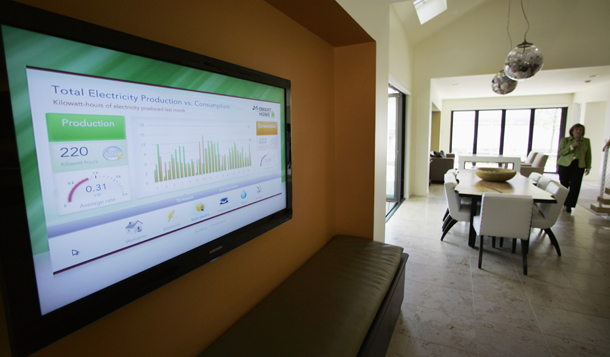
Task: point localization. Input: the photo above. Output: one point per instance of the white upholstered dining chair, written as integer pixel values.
(450, 176)
(543, 182)
(545, 214)
(458, 212)
(505, 216)
(535, 177)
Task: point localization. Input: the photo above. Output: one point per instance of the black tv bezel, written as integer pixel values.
(30, 331)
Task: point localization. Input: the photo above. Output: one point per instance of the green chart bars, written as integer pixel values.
(210, 160)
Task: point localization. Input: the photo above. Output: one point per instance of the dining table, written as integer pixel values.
(471, 186)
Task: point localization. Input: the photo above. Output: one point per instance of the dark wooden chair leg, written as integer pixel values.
(554, 241)
(447, 221)
(525, 247)
(446, 214)
(514, 246)
(481, 252)
(447, 228)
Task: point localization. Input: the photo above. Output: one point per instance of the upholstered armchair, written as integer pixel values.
(536, 166)
(439, 165)
(530, 158)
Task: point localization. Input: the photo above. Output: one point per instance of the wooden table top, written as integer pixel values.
(471, 185)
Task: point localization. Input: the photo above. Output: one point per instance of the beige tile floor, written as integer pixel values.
(452, 308)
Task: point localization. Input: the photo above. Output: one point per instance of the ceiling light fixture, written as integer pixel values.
(428, 9)
(501, 84)
(525, 60)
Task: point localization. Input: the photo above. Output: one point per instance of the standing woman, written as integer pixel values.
(574, 161)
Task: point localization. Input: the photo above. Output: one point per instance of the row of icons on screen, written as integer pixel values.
(137, 226)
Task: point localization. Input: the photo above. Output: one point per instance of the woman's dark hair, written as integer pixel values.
(577, 126)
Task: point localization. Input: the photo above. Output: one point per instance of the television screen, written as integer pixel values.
(136, 163)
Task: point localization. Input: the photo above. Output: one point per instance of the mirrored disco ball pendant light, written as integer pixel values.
(525, 60)
(502, 84)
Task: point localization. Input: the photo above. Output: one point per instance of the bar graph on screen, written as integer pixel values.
(209, 159)
(180, 154)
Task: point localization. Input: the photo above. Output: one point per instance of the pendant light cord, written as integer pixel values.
(507, 28)
(526, 20)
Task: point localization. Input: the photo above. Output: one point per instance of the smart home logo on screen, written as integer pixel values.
(264, 111)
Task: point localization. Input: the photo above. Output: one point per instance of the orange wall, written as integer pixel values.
(355, 138)
(185, 316)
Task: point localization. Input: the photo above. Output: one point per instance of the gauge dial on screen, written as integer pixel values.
(95, 189)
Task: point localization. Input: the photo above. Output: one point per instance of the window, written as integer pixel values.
(547, 134)
(516, 133)
(510, 132)
(462, 132)
(489, 133)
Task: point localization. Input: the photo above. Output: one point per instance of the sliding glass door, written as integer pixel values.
(395, 153)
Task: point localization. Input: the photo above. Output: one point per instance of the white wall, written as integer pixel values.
(596, 94)
(394, 60)
(594, 122)
(570, 33)
(595, 116)
(401, 54)
(401, 77)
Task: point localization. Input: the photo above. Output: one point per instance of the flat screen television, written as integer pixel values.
(125, 164)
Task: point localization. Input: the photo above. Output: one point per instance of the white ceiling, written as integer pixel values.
(560, 81)
(544, 83)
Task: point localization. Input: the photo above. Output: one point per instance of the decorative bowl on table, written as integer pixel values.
(495, 174)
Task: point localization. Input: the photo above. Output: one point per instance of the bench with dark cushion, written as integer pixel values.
(344, 301)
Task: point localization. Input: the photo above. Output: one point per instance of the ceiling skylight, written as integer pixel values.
(428, 9)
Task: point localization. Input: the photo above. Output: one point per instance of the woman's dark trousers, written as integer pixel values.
(571, 177)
